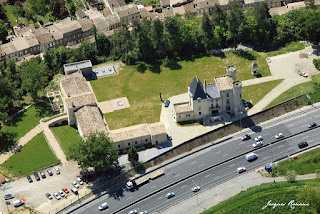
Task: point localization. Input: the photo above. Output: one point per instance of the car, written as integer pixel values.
(57, 170)
(245, 137)
(56, 195)
(18, 203)
(49, 172)
(75, 191)
(61, 193)
(42, 174)
(75, 184)
(302, 145)
(278, 136)
(65, 190)
(195, 189)
(169, 136)
(144, 212)
(133, 212)
(257, 144)
(259, 138)
(313, 124)
(170, 195)
(166, 103)
(80, 181)
(103, 206)
(49, 196)
(29, 179)
(8, 196)
(304, 74)
(36, 175)
(241, 169)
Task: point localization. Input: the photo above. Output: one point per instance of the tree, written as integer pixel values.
(133, 156)
(291, 176)
(3, 30)
(96, 151)
(7, 97)
(89, 51)
(172, 36)
(156, 34)
(310, 194)
(235, 19)
(103, 44)
(310, 4)
(208, 32)
(38, 6)
(58, 8)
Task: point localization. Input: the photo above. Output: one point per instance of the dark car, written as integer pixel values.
(49, 196)
(313, 124)
(302, 145)
(166, 103)
(245, 137)
(8, 196)
(36, 175)
(29, 179)
(42, 174)
(49, 172)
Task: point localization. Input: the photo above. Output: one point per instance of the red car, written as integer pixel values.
(65, 190)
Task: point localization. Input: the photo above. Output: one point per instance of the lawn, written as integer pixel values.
(293, 46)
(34, 156)
(254, 93)
(303, 88)
(142, 88)
(255, 198)
(66, 136)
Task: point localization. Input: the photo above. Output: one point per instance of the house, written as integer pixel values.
(25, 46)
(177, 3)
(115, 4)
(84, 66)
(190, 7)
(144, 14)
(71, 31)
(179, 10)
(46, 40)
(167, 12)
(207, 100)
(8, 51)
(282, 10)
(80, 14)
(165, 3)
(101, 24)
(113, 22)
(86, 26)
(57, 35)
(127, 14)
(205, 6)
(155, 15)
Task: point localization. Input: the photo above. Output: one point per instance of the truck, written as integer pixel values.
(156, 174)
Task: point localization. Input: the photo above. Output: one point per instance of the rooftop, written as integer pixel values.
(80, 13)
(55, 32)
(20, 43)
(80, 100)
(67, 25)
(100, 23)
(182, 107)
(190, 7)
(8, 48)
(126, 11)
(224, 83)
(168, 12)
(43, 35)
(131, 132)
(155, 15)
(206, 3)
(164, 3)
(179, 10)
(77, 65)
(144, 13)
(157, 128)
(85, 24)
(196, 89)
(74, 84)
(212, 90)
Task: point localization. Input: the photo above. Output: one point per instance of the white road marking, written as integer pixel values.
(266, 133)
(288, 149)
(177, 175)
(159, 198)
(291, 125)
(242, 143)
(193, 162)
(216, 177)
(225, 155)
(280, 146)
(153, 186)
(207, 175)
(184, 186)
(129, 198)
(217, 152)
(200, 165)
(231, 165)
(264, 158)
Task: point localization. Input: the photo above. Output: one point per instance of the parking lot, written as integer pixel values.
(34, 192)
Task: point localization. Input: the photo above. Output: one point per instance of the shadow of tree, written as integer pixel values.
(245, 55)
(141, 67)
(43, 108)
(7, 141)
(172, 64)
(155, 67)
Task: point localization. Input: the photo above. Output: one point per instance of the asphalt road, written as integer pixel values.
(118, 197)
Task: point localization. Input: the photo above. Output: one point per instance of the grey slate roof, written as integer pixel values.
(212, 91)
(196, 89)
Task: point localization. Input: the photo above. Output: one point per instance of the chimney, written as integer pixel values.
(205, 86)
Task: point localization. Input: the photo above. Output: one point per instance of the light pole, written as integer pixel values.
(197, 192)
(240, 120)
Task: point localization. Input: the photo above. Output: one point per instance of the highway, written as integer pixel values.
(224, 153)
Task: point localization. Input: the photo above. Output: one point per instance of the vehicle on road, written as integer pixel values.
(129, 185)
(75, 184)
(278, 136)
(259, 138)
(257, 144)
(103, 206)
(195, 189)
(251, 156)
(313, 124)
(166, 103)
(144, 212)
(42, 174)
(65, 190)
(36, 175)
(8, 196)
(245, 137)
(29, 179)
(170, 195)
(56, 195)
(80, 181)
(241, 169)
(49, 196)
(49, 172)
(302, 145)
(75, 191)
(133, 212)
(61, 193)
(57, 170)
(18, 203)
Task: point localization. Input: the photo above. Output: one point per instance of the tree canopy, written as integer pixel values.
(133, 156)
(4, 27)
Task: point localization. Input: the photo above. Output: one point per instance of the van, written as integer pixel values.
(251, 156)
(75, 191)
(18, 203)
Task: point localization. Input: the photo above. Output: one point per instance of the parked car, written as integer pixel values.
(302, 145)
(29, 179)
(313, 124)
(259, 138)
(257, 144)
(103, 206)
(57, 196)
(75, 184)
(303, 74)
(133, 212)
(42, 174)
(49, 172)
(195, 189)
(80, 181)
(8, 196)
(49, 196)
(36, 175)
(170, 195)
(61, 193)
(65, 190)
(278, 136)
(75, 191)
(18, 203)
(57, 170)
(245, 137)
(166, 103)
(241, 169)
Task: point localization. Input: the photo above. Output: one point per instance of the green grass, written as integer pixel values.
(34, 156)
(255, 198)
(142, 88)
(293, 46)
(67, 136)
(303, 88)
(256, 92)
(9, 13)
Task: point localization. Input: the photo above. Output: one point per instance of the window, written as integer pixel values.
(136, 142)
(228, 108)
(199, 100)
(146, 140)
(199, 107)
(119, 146)
(227, 94)
(211, 105)
(217, 105)
(228, 102)
(179, 116)
(128, 144)
(212, 100)
(199, 113)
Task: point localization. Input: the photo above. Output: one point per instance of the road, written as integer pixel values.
(119, 198)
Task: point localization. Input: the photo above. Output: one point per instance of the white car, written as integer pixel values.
(61, 193)
(278, 136)
(57, 170)
(133, 212)
(259, 138)
(56, 195)
(304, 74)
(241, 169)
(75, 184)
(80, 181)
(170, 195)
(195, 189)
(103, 206)
(143, 212)
(257, 144)
(169, 136)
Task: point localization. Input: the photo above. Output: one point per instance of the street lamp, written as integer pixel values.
(196, 193)
(240, 120)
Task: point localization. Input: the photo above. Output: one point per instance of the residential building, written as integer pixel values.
(115, 4)
(205, 6)
(156, 15)
(45, 38)
(284, 9)
(177, 3)
(165, 3)
(86, 26)
(71, 31)
(127, 14)
(144, 14)
(8, 51)
(80, 14)
(101, 24)
(113, 22)
(57, 35)
(84, 66)
(167, 12)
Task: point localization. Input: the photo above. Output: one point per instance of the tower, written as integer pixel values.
(231, 71)
(237, 98)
